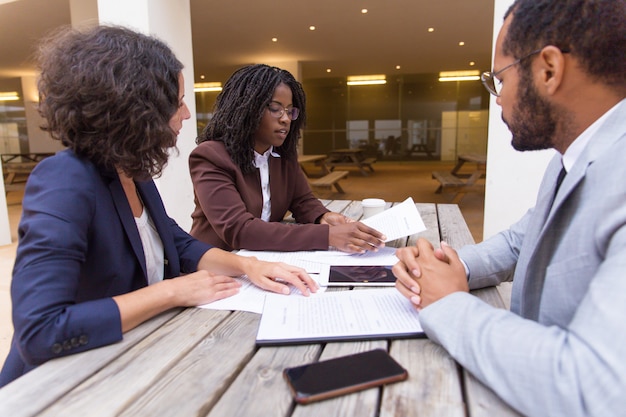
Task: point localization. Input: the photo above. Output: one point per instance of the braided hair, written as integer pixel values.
(239, 109)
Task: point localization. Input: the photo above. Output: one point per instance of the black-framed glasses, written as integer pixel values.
(278, 110)
(491, 81)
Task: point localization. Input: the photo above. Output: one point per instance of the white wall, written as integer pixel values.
(512, 177)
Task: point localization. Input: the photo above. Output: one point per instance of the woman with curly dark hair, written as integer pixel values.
(246, 175)
(96, 247)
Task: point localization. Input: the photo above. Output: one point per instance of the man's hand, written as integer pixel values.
(425, 275)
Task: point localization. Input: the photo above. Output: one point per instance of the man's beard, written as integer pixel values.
(534, 119)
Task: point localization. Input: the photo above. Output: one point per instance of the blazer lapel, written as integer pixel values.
(128, 222)
(153, 203)
(541, 239)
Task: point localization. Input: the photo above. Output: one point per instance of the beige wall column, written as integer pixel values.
(38, 140)
(513, 177)
(170, 21)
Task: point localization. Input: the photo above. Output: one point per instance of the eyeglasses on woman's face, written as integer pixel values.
(277, 111)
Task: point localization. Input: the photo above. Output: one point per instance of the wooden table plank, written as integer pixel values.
(433, 387)
(109, 391)
(32, 392)
(198, 381)
(363, 403)
(260, 389)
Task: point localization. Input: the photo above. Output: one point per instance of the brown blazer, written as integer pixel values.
(229, 204)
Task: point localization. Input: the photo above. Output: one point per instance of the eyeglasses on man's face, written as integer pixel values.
(491, 81)
(278, 111)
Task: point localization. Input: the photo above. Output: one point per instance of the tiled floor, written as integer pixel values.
(392, 181)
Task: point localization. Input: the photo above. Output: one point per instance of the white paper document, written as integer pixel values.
(251, 298)
(382, 257)
(399, 221)
(340, 315)
(301, 259)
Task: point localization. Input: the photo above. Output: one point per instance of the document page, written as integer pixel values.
(340, 315)
(398, 221)
(252, 298)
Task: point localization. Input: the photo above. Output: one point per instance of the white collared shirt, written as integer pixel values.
(580, 143)
(262, 163)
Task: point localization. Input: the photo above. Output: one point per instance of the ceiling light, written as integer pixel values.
(431, 29)
(328, 70)
(397, 67)
(202, 87)
(366, 79)
(11, 96)
(461, 43)
(363, 11)
(472, 63)
(274, 39)
(471, 75)
(311, 27)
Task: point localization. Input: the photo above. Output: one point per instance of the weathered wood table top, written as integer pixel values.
(199, 362)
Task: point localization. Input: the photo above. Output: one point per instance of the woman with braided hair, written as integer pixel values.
(246, 175)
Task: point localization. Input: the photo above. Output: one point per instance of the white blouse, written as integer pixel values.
(152, 247)
(262, 163)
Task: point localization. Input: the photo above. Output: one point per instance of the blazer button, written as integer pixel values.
(57, 348)
(67, 345)
(83, 339)
(74, 342)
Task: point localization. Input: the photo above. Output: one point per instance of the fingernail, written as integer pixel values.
(416, 272)
(416, 300)
(416, 290)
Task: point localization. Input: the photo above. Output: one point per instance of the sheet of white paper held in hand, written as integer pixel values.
(398, 221)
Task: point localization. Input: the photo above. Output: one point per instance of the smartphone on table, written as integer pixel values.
(343, 375)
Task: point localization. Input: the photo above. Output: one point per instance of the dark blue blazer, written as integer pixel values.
(78, 247)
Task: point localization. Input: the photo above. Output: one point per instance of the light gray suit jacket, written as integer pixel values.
(561, 351)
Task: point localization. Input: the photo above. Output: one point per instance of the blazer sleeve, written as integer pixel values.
(228, 207)
(53, 312)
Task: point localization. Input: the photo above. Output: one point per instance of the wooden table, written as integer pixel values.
(16, 167)
(197, 362)
(350, 158)
(318, 160)
(461, 183)
(478, 159)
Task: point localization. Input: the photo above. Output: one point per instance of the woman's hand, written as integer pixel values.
(355, 237)
(275, 277)
(202, 287)
(334, 219)
(195, 289)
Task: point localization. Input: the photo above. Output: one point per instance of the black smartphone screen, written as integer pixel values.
(343, 375)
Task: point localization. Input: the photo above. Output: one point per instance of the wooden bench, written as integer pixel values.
(452, 183)
(368, 163)
(328, 180)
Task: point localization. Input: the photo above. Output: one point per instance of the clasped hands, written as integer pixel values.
(425, 274)
(351, 236)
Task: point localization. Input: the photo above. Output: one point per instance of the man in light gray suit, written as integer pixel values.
(560, 77)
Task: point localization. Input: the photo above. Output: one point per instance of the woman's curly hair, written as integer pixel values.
(108, 93)
(239, 109)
